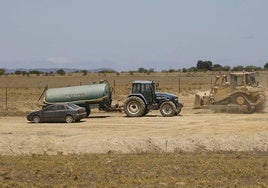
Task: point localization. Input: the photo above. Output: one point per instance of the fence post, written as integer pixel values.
(179, 85)
(114, 88)
(6, 99)
(211, 82)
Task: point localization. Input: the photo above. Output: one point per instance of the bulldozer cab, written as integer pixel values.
(243, 79)
(145, 88)
(221, 87)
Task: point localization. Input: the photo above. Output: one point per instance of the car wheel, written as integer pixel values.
(36, 119)
(69, 119)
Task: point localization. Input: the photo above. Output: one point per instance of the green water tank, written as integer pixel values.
(86, 94)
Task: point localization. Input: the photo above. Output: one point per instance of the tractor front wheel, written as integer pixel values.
(168, 109)
(134, 107)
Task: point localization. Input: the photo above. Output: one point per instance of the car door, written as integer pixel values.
(60, 113)
(49, 113)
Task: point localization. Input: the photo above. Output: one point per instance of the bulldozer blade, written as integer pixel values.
(201, 101)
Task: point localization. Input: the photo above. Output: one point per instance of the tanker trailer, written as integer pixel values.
(88, 96)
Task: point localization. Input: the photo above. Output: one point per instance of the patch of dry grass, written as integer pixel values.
(199, 169)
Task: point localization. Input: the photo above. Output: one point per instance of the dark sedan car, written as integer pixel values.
(61, 112)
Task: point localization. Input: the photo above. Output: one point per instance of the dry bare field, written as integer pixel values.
(197, 148)
(193, 129)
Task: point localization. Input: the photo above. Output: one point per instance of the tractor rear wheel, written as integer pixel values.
(134, 107)
(168, 109)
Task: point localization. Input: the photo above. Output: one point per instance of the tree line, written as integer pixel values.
(209, 66)
(200, 66)
(31, 72)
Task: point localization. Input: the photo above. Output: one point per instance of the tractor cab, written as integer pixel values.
(145, 89)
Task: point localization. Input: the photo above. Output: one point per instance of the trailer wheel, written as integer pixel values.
(134, 107)
(168, 109)
(36, 119)
(69, 119)
(88, 110)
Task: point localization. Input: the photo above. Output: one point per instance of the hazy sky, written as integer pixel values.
(128, 34)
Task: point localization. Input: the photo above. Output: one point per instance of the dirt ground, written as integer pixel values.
(113, 132)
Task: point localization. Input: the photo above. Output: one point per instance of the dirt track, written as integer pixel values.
(112, 132)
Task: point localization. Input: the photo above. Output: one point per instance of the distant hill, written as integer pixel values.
(48, 70)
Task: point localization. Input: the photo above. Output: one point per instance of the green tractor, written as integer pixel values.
(144, 98)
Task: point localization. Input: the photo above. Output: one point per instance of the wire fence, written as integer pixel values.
(22, 93)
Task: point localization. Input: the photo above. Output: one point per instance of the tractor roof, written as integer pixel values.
(242, 73)
(142, 82)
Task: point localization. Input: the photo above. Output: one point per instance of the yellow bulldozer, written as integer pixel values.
(242, 94)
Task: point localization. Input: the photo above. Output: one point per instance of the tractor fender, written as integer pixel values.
(177, 104)
(164, 100)
(138, 95)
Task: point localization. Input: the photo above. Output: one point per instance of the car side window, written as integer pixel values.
(49, 108)
(61, 107)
